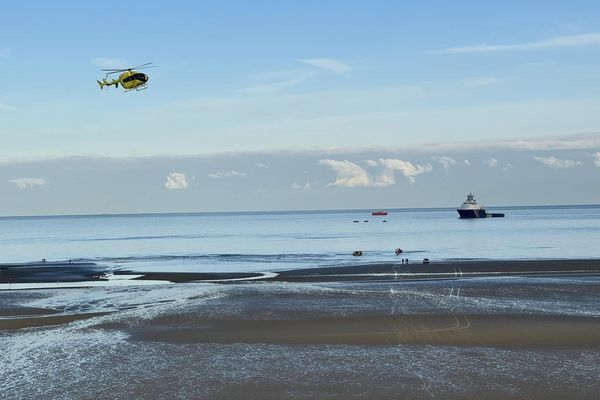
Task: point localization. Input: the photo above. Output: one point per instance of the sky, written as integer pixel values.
(281, 105)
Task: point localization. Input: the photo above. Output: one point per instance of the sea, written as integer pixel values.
(272, 241)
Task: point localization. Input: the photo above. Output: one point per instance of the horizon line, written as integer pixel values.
(306, 211)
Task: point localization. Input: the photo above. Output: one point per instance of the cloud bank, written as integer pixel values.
(296, 180)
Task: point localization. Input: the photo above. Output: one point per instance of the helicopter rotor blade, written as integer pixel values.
(143, 65)
(113, 70)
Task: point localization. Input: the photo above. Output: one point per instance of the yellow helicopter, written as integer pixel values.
(128, 78)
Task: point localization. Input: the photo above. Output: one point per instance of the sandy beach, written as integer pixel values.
(526, 329)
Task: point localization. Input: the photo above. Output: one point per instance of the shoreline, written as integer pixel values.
(91, 274)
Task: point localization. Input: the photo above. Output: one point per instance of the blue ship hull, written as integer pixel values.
(473, 213)
(478, 213)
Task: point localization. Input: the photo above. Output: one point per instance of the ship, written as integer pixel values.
(470, 209)
(379, 213)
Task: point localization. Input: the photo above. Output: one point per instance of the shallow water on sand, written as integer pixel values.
(169, 342)
(276, 241)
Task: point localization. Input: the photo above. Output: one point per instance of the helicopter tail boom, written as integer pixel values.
(104, 83)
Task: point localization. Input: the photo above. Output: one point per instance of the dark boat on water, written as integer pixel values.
(470, 209)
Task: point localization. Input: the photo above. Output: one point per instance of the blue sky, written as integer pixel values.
(273, 76)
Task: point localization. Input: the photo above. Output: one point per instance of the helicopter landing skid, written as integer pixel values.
(137, 89)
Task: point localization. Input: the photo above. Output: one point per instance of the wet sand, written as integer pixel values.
(13, 317)
(43, 272)
(22, 321)
(414, 271)
(465, 329)
(443, 270)
(7, 311)
(507, 331)
(452, 269)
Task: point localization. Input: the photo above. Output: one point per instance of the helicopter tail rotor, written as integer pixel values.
(101, 85)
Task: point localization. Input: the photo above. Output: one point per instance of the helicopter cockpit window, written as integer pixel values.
(135, 77)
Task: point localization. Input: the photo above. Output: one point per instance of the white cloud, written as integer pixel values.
(176, 181)
(107, 62)
(557, 163)
(351, 175)
(588, 39)
(298, 186)
(480, 82)
(275, 87)
(371, 163)
(28, 183)
(328, 64)
(467, 163)
(407, 169)
(261, 165)
(227, 174)
(6, 107)
(445, 161)
(348, 174)
(596, 159)
(492, 163)
(539, 64)
(4, 52)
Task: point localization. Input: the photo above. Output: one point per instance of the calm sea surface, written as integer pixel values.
(274, 241)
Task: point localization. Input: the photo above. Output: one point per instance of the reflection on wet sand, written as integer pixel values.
(452, 330)
(14, 322)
